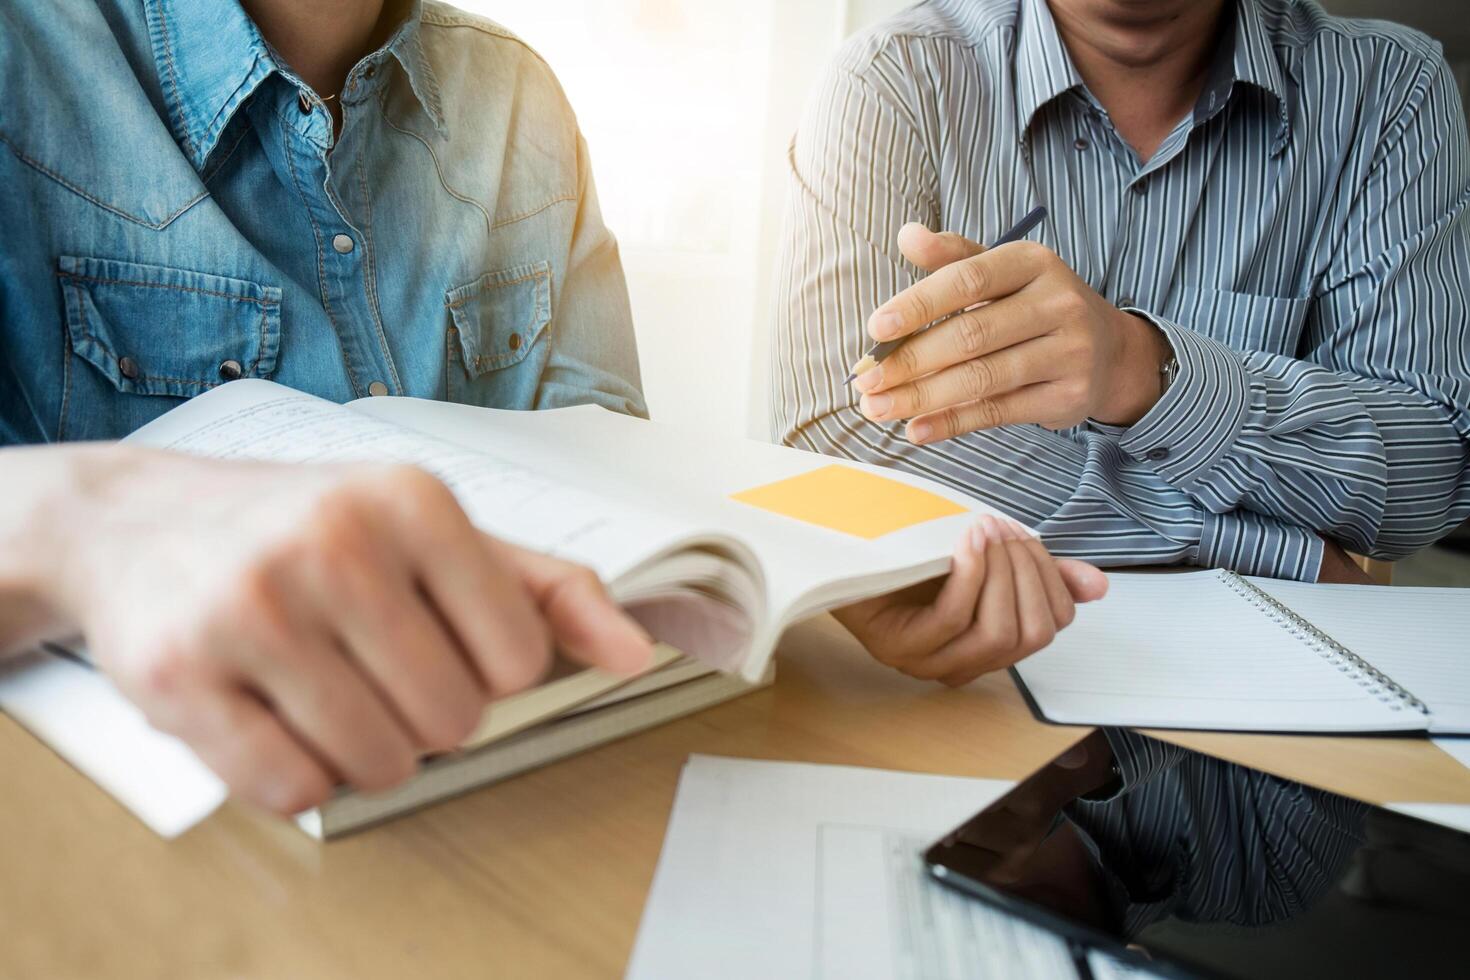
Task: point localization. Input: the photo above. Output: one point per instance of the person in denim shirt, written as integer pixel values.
(353, 198)
(417, 221)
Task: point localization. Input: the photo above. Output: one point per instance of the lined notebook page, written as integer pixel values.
(1186, 651)
(1418, 637)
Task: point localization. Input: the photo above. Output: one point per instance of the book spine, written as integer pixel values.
(1367, 676)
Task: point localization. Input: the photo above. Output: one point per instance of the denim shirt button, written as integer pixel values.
(515, 341)
(230, 370)
(377, 389)
(343, 244)
(128, 367)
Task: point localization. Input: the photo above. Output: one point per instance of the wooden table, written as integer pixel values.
(543, 875)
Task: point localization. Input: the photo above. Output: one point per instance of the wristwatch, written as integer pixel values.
(1168, 371)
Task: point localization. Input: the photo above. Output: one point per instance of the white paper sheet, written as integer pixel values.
(1456, 815)
(773, 869)
(879, 915)
(83, 718)
(1457, 746)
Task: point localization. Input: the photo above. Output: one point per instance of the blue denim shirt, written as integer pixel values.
(175, 213)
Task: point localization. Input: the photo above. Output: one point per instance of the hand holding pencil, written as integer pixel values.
(879, 351)
(1004, 336)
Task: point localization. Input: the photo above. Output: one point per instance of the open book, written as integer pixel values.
(715, 545)
(1215, 650)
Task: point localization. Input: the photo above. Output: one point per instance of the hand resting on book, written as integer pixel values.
(297, 626)
(1004, 599)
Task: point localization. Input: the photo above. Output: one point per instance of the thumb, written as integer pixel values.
(1085, 582)
(931, 250)
(954, 608)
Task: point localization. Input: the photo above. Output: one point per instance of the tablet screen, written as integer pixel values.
(1166, 860)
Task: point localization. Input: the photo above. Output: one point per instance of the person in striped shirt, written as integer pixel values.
(1241, 337)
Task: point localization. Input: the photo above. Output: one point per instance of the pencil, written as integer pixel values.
(878, 352)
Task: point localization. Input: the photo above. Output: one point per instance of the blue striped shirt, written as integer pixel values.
(1302, 238)
(1200, 839)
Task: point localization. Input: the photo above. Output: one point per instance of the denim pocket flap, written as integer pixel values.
(500, 315)
(153, 330)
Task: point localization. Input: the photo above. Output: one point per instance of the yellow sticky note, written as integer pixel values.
(850, 500)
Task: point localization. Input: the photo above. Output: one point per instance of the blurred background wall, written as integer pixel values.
(688, 106)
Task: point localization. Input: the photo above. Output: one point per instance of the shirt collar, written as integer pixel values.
(1044, 70)
(1247, 57)
(211, 58)
(406, 44)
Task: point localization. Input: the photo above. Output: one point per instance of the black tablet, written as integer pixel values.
(1152, 859)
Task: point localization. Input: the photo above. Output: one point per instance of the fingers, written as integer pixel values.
(1033, 403)
(587, 625)
(996, 273)
(1005, 598)
(1064, 582)
(1063, 610)
(400, 643)
(1015, 632)
(995, 631)
(1085, 582)
(933, 250)
(902, 627)
(331, 709)
(1037, 625)
(983, 378)
(491, 614)
(963, 337)
(486, 607)
(246, 745)
(1016, 615)
(953, 610)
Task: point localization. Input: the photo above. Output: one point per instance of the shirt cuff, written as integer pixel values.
(1254, 544)
(1199, 417)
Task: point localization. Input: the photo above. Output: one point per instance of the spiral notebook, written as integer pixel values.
(1215, 650)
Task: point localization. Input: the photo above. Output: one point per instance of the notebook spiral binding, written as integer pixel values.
(1373, 680)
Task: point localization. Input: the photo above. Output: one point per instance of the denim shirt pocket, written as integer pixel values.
(497, 348)
(141, 338)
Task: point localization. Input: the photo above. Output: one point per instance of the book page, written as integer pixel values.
(86, 720)
(264, 421)
(1420, 637)
(1185, 651)
(769, 497)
